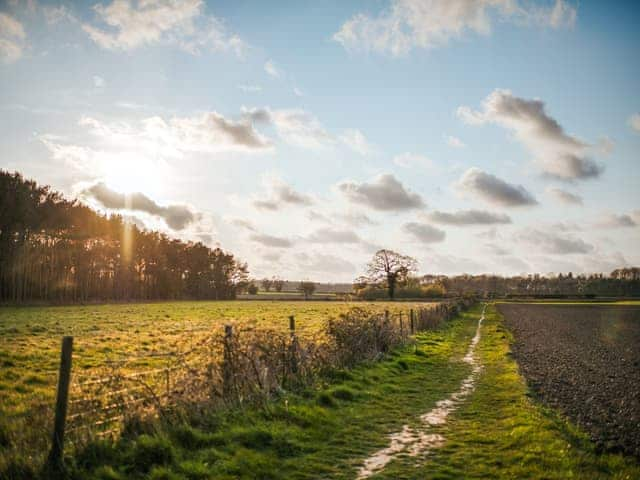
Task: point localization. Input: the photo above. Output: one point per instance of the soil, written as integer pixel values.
(585, 361)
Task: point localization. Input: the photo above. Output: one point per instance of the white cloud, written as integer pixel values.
(177, 217)
(297, 92)
(54, 15)
(424, 232)
(294, 126)
(98, 81)
(409, 159)
(271, 241)
(493, 189)
(209, 133)
(280, 195)
(328, 235)
(12, 38)
(552, 243)
(130, 25)
(468, 217)
(560, 155)
(634, 122)
(454, 142)
(613, 220)
(564, 196)
(250, 88)
(409, 24)
(271, 69)
(356, 141)
(384, 193)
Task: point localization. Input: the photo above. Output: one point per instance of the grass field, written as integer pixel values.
(30, 337)
(500, 432)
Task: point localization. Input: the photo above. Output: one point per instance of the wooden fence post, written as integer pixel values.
(411, 320)
(227, 367)
(55, 460)
(293, 354)
(401, 328)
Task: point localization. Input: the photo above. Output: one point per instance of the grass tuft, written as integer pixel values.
(150, 451)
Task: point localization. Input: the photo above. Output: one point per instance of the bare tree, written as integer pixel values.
(278, 284)
(390, 267)
(266, 284)
(307, 289)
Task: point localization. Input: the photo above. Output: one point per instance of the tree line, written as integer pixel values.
(393, 275)
(56, 250)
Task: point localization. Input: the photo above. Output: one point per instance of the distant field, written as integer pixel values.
(30, 336)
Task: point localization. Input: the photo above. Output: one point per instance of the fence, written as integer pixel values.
(233, 367)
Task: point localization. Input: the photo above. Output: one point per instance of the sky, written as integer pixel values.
(488, 136)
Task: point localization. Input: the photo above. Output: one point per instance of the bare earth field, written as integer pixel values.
(585, 361)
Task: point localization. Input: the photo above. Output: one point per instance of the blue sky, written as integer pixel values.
(497, 136)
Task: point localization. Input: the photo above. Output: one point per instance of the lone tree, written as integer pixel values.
(278, 284)
(390, 268)
(307, 288)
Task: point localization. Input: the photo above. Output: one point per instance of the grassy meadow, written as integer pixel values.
(501, 432)
(30, 338)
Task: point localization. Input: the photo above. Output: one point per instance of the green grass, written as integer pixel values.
(30, 336)
(500, 432)
(30, 343)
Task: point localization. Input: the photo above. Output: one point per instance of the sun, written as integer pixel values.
(129, 173)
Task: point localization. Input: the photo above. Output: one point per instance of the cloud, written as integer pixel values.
(409, 159)
(321, 264)
(409, 24)
(271, 69)
(297, 92)
(241, 223)
(327, 235)
(129, 25)
(54, 15)
(177, 217)
(294, 126)
(356, 141)
(208, 132)
(12, 38)
(496, 249)
(281, 195)
(560, 155)
(384, 193)
(271, 241)
(250, 88)
(98, 82)
(468, 217)
(454, 142)
(552, 243)
(634, 122)
(354, 219)
(616, 221)
(564, 196)
(494, 190)
(424, 233)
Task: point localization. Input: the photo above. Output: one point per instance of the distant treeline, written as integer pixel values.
(623, 282)
(56, 250)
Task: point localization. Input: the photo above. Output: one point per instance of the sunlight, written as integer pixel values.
(128, 173)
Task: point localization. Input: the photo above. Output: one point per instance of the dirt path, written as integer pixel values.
(418, 441)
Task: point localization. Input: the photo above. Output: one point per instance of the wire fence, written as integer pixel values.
(237, 366)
